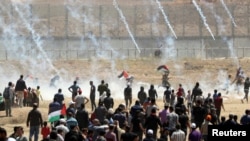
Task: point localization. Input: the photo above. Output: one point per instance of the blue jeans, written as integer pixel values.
(34, 130)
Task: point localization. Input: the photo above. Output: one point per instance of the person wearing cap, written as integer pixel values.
(62, 126)
(149, 135)
(194, 134)
(204, 127)
(34, 122)
(178, 134)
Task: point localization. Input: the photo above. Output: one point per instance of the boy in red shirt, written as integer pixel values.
(45, 130)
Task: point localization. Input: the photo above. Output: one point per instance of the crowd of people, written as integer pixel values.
(184, 116)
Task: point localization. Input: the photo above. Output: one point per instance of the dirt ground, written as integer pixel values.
(210, 73)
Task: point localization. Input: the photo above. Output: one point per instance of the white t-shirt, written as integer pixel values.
(11, 139)
(79, 99)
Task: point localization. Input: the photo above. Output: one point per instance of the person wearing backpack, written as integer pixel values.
(8, 95)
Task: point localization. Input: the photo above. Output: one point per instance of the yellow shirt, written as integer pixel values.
(38, 93)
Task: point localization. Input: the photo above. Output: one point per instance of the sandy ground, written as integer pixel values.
(211, 74)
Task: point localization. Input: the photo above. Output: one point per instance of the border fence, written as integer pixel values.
(70, 31)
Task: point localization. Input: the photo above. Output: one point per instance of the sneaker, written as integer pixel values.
(10, 115)
(242, 101)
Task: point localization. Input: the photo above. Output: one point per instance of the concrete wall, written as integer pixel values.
(81, 31)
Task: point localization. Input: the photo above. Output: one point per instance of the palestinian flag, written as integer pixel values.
(55, 114)
(124, 74)
(162, 68)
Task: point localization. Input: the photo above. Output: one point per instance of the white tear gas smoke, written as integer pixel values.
(228, 12)
(166, 18)
(222, 30)
(123, 18)
(203, 18)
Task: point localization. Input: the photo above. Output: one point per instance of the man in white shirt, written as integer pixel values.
(80, 99)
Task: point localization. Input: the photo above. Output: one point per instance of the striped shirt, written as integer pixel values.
(178, 135)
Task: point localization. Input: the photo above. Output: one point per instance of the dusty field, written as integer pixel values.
(209, 72)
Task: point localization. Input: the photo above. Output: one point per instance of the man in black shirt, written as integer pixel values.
(152, 93)
(34, 120)
(128, 96)
(92, 95)
(246, 89)
(108, 101)
(82, 117)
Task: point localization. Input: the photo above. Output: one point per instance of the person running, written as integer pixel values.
(246, 89)
(74, 89)
(19, 89)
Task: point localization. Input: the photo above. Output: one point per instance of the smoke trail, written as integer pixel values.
(35, 36)
(228, 12)
(222, 30)
(166, 18)
(126, 24)
(203, 18)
